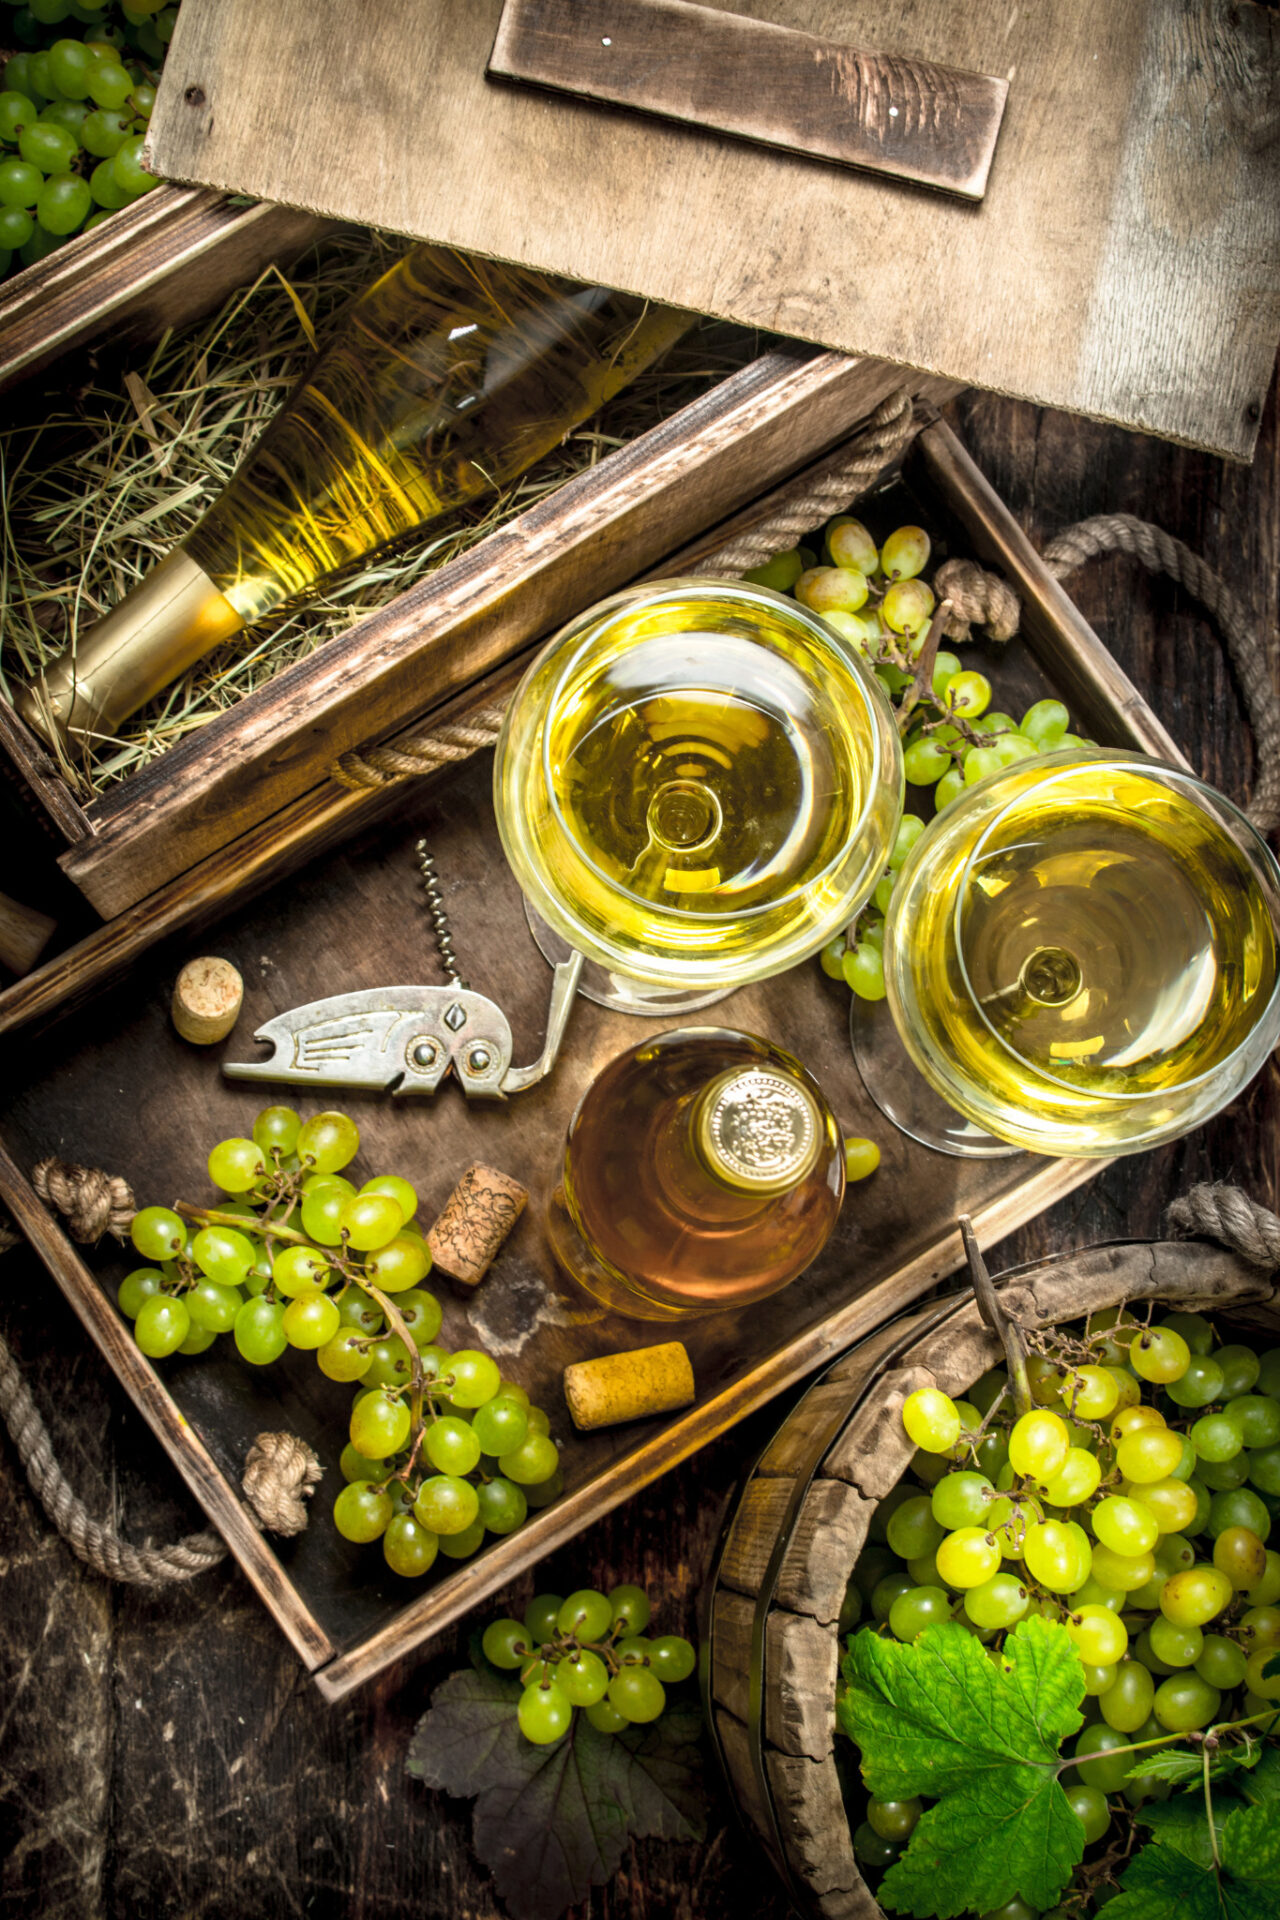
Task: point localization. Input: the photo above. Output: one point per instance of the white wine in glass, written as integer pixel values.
(697, 784)
(1080, 953)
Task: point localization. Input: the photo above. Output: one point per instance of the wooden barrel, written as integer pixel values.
(789, 1549)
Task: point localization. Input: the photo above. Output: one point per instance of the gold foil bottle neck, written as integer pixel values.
(162, 627)
(758, 1130)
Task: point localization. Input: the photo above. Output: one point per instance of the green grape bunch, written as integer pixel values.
(590, 1651)
(74, 112)
(441, 1448)
(1131, 1502)
(875, 598)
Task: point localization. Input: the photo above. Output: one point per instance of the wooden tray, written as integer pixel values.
(115, 1087)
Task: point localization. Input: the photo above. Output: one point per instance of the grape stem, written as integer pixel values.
(922, 678)
(1166, 1739)
(993, 1313)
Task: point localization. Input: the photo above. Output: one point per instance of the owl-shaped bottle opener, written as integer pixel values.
(406, 1040)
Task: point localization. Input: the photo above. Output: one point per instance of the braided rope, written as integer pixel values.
(1216, 1211)
(823, 490)
(94, 1542)
(415, 754)
(1250, 652)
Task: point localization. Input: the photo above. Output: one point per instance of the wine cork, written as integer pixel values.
(477, 1217)
(206, 1000)
(629, 1386)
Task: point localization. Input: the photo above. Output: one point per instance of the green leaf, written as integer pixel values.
(1180, 1824)
(1176, 1764)
(939, 1718)
(1250, 1846)
(1263, 1784)
(552, 1822)
(1176, 1880)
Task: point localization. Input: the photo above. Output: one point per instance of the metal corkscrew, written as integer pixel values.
(406, 1040)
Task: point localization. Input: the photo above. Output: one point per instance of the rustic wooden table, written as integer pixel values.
(164, 1754)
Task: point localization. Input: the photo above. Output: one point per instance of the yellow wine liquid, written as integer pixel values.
(704, 785)
(641, 1220)
(448, 378)
(1091, 960)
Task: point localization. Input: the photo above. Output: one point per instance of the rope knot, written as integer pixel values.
(1216, 1211)
(93, 1202)
(978, 599)
(280, 1475)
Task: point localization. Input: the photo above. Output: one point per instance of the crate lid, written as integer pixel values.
(1124, 263)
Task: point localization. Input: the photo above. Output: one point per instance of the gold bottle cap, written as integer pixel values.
(758, 1129)
(169, 621)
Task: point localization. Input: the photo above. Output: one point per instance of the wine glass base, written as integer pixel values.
(904, 1096)
(615, 990)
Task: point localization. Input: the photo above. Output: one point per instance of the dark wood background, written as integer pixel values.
(164, 1754)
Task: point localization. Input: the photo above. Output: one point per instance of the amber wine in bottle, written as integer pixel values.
(703, 1170)
(1081, 954)
(697, 783)
(447, 378)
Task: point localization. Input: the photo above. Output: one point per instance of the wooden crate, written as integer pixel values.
(113, 1086)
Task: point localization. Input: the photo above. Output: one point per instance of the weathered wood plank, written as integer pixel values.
(1125, 261)
(802, 1658)
(910, 119)
(56, 807)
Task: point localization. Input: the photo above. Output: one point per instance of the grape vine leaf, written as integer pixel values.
(938, 1717)
(552, 1822)
(1175, 1878)
(1263, 1785)
(1177, 1764)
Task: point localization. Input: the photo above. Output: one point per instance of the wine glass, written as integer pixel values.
(1080, 959)
(697, 784)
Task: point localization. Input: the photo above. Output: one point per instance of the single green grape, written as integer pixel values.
(1159, 1354)
(861, 1158)
(161, 1325)
(831, 959)
(910, 828)
(379, 1425)
(310, 1321)
(1089, 1805)
(637, 1694)
(672, 1658)
(534, 1461)
(894, 1820)
(780, 573)
(1094, 1762)
(916, 1608)
(1057, 1554)
(452, 1445)
(276, 1127)
(1172, 1504)
(831, 589)
(1098, 1635)
(999, 1602)
(1200, 1385)
(343, 1357)
(328, 1141)
(540, 1617)
(949, 788)
(968, 695)
(300, 1270)
(1264, 1686)
(133, 180)
(545, 1713)
(1240, 1370)
(1151, 1453)
(1222, 1663)
(370, 1221)
(70, 68)
(408, 1548)
(1126, 1526)
(629, 1607)
(1127, 1703)
(913, 1529)
(586, 1614)
(136, 1287)
(871, 1849)
(501, 1425)
(399, 1265)
(924, 761)
(583, 1677)
(259, 1331)
(322, 1210)
(158, 1233)
(1045, 723)
(447, 1504)
(932, 1422)
(968, 1558)
(961, 1500)
(863, 968)
(1039, 1444)
(506, 1644)
(1193, 1598)
(1267, 1591)
(850, 545)
(1258, 1417)
(605, 1717)
(503, 1506)
(51, 149)
(110, 84)
(1239, 1507)
(1076, 1480)
(905, 553)
(1184, 1702)
(213, 1307)
(362, 1512)
(473, 1378)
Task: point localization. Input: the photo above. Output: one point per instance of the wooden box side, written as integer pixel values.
(592, 535)
(162, 262)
